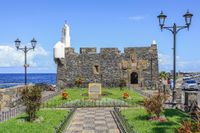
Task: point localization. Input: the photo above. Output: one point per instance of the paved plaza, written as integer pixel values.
(92, 120)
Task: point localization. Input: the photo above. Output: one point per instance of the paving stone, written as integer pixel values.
(88, 131)
(92, 120)
(101, 131)
(101, 127)
(114, 131)
(112, 125)
(100, 122)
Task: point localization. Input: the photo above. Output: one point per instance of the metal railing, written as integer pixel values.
(11, 113)
(64, 123)
(122, 122)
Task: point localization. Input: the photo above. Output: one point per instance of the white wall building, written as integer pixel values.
(59, 47)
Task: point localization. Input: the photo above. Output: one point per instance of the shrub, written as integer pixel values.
(122, 84)
(31, 97)
(190, 126)
(186, 127)
(154, 105)
(78, 81)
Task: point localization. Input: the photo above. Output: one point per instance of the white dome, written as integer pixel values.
(59, 50)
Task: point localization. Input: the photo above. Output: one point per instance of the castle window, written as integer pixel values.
(96, 69)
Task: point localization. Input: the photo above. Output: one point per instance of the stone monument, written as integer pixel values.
(94, 91)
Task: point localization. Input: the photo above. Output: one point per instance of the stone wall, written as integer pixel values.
(108, 66)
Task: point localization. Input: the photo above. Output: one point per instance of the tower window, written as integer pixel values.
(96, 69)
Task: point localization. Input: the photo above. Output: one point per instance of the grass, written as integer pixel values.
(51, 118)
(82, 94)
(138, 118)
(116, 93)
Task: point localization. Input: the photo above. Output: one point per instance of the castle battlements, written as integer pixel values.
(93, 50)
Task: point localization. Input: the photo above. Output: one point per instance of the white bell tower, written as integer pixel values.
(65, 39)
(59, 47)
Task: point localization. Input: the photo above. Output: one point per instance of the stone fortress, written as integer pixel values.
(137, 65)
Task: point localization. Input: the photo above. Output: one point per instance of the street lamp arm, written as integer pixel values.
(25, 49)
(22, 49)
(180, 28)
(169, 29)
(28, 49)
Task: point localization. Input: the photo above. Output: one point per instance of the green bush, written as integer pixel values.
(122, 84)
(31, 97)
(154, 105)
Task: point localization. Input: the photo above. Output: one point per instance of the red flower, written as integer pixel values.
(125, 95)
(64, 95)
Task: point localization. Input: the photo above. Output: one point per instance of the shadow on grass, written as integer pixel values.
(179, 115)
(23, 118)
(161, 130)
(105, 93)
(173, 112)
(84, 94)
(142, 117)
(164, 127)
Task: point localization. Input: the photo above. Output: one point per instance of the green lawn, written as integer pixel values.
(110, 93)
(51, 118)
(116, 93)
(138, 118)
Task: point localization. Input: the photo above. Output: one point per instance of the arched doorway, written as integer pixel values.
(134, 78)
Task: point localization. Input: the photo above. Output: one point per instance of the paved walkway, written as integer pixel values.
(92, 120)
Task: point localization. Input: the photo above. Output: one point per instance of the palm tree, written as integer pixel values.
(163, 75)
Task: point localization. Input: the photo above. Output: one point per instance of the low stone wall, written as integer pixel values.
(7, 96)
(188, 97)
(11, 97)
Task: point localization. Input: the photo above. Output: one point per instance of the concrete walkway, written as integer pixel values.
(92, 120)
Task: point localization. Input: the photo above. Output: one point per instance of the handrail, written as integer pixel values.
(64, 122)
(125, 127)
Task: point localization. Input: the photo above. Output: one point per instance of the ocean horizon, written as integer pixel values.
(8, 80)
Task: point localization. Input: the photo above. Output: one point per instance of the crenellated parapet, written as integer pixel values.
(88, 50)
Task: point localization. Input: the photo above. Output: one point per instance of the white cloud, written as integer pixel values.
(135, 18)
(164, 59)
(10, 57)
(166, 63)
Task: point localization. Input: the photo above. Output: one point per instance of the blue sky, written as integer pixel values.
(96, 23)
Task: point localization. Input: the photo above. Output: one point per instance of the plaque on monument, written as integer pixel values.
(94, 91)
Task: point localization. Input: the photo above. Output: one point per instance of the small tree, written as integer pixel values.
(31, 97)
(122, 83)
(154, 105)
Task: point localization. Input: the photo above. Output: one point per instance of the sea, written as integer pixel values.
(11, 80)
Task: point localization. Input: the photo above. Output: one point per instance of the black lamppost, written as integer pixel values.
(175, 29)
(25, 49)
